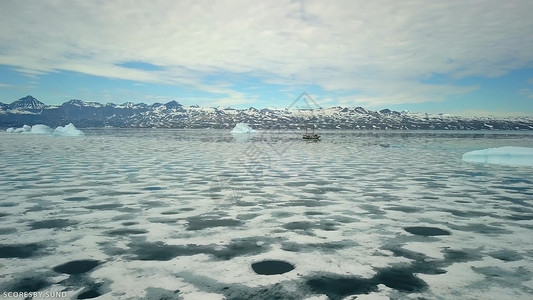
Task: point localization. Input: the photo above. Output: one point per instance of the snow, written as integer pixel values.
(507, 155)
(67, 130)
(242, 128)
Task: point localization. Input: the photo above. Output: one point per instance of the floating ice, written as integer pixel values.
(242, 128)
(509, 155)
(41, 129)
(68, 130)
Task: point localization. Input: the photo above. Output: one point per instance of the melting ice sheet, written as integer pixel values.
(197, 214)
(508, 155)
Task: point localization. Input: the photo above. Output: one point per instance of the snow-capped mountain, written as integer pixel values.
(26, 103)
(29, 110)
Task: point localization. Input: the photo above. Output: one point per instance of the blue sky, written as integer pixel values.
(458, 57)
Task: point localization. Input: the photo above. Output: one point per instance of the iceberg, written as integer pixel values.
(508, 155)
(242, 128)
(41, 129)
(68, 130)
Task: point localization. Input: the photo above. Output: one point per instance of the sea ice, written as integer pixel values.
(68, 130)
(242, 128)
(508, 155)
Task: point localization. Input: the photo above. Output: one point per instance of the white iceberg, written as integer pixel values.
(508, 155)
(68, 130)
(25, 128)
(41, 129)
(242, 128)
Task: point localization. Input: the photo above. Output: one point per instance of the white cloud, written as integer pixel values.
(381, 50)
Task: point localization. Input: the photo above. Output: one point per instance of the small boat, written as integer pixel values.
(310, 136)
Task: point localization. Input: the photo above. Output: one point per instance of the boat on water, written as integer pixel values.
(310, 136)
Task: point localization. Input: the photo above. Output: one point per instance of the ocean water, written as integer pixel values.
(204, 214)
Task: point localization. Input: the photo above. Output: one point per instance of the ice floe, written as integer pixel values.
(67, 130)
(508, 155)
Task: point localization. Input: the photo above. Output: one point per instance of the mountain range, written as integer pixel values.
(30, 111)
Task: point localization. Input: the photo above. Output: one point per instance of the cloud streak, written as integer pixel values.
(377, 51)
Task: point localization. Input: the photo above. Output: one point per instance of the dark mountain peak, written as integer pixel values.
(173, 104)
(28, 102)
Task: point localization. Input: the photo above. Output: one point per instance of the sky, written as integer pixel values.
(459, 57)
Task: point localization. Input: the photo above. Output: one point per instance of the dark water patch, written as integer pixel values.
(239, 247)
(313, 247)
(405, 209)
(372, 209)
(163, 220)
(344, 219)
(171, 212)
(401, 279)
(163, 252)
(462, 201)
(108, 206)
(52, 223)
(154, 188)
(20, 250)
(29, 284)
(89, 294)
(282, 214)
(126, 231)
(245, 203)
(76, 199)
(160, 251)
(506, 255)
(93, 290)
(338, 287)
(7, 230)
(314, 213)
(298, 225)
(76, 267)
(246, 217)
(129, 223)
(8, 204)
(426, 231)
(3, 215)
(464, 255)
(272, 267)
(187, 209)
(199, 223)
(74, 190)
(327, 225)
